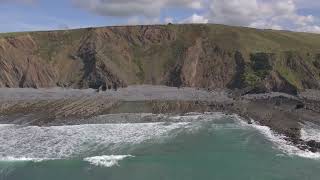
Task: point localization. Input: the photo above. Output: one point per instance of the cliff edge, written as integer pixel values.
(202, 56)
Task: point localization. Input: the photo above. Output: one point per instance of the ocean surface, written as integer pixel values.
(194, 147)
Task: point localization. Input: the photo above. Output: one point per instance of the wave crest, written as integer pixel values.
(106, 161)
(285, 146)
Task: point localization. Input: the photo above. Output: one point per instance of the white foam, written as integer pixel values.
(106, 161)
(193, 116)
(190, 117)
(18, 159)
(282, 144)
(310, 131)
(5, 125)
(62, 142)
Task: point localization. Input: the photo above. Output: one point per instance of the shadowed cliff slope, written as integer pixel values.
(205, 56)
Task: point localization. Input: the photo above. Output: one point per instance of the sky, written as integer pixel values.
(34, 15)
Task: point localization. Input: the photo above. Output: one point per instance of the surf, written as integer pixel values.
(93, 142)
(106, 161)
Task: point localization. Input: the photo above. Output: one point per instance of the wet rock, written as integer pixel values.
(314, 144)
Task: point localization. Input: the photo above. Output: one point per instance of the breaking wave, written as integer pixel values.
(30, 143)
(106, 161)
(310, 131)
(21, 159)
(18, 143)
(281, 143)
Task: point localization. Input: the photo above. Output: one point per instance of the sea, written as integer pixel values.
(208, 146)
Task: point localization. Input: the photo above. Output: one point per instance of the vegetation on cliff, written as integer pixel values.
(206, 56)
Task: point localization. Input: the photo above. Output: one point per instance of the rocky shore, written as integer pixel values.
(285, 114)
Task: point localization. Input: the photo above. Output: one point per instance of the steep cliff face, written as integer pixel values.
(20, 66)
(203, 64)
(206, 56)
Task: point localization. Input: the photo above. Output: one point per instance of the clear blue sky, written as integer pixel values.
(27, 15)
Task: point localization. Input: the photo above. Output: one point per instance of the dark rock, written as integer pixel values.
(314, 144)
(104, 87)
(174, 77)
(299, 106)
(314, 150)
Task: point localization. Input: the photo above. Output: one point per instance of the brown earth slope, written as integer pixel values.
(206, 56)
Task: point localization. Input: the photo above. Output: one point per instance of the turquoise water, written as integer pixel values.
(217, 148)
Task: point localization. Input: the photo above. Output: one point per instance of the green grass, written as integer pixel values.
(12, 34)
(251, 78)
(51, 43)
(289, 75)
(156, 59)
(140, 74)
(286, 72)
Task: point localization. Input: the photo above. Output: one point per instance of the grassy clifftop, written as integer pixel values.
(209, 56)
(247, 38)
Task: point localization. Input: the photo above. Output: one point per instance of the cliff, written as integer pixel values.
(204, 56)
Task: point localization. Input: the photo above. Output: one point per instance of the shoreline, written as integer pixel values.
(282, 113)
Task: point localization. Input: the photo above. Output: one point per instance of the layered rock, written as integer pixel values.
(203, 56)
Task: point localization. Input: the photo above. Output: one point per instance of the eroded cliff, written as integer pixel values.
(204, 56)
